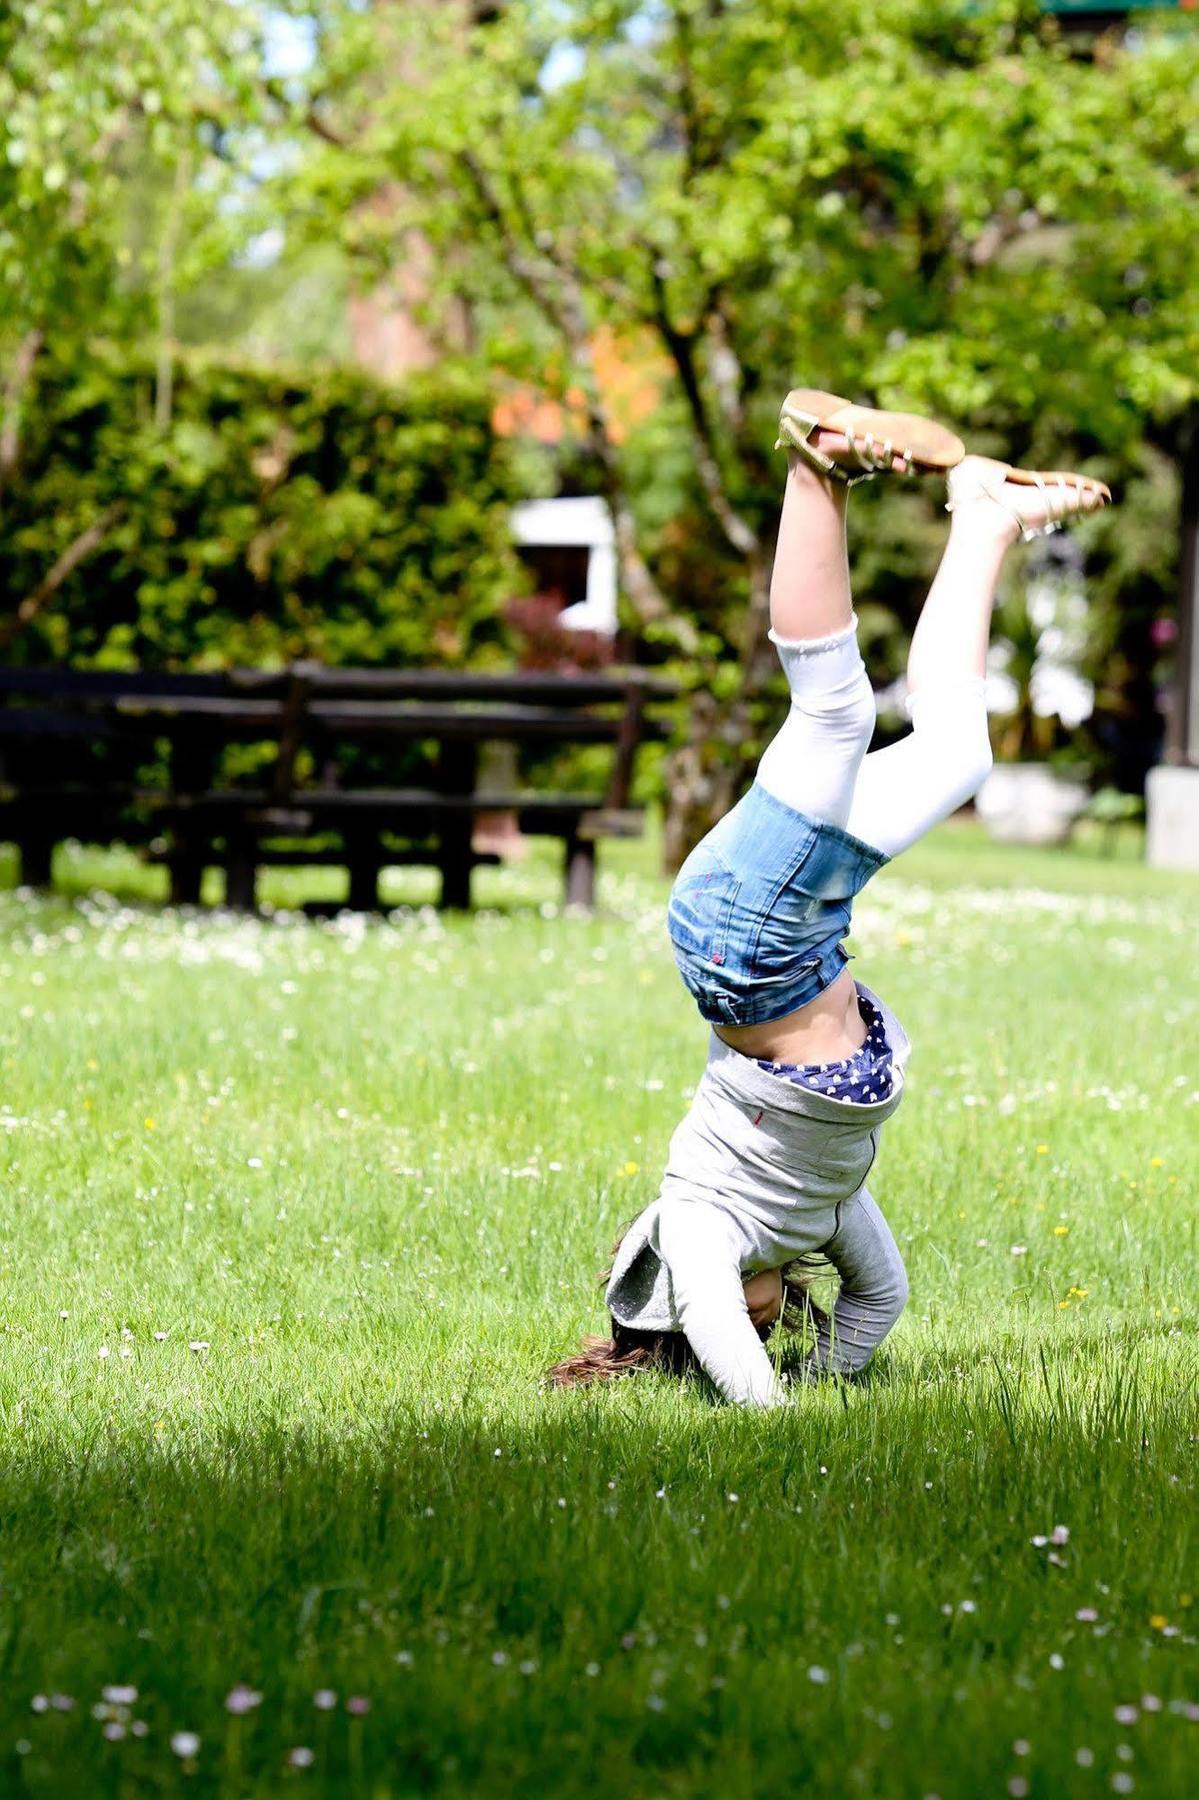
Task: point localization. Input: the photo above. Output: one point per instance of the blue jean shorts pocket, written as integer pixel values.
(701, 907)
(836, 868)
(795, 928)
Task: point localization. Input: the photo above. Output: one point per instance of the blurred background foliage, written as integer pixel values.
(948, 207)
(280, 516)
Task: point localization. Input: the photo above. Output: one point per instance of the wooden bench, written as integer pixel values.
(73, 743)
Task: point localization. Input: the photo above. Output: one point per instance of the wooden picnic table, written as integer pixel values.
(314, 719)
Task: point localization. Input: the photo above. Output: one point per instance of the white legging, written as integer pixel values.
(818, 764)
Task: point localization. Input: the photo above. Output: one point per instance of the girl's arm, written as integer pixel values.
(874, 1289)
(699, 1247)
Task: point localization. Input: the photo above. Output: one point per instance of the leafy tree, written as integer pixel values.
(127, 139)
(942, 208)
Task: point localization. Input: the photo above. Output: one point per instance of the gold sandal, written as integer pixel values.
(874, 437)
(1063, 493)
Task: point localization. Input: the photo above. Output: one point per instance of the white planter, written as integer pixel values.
(1172, 801)
(1030, 803)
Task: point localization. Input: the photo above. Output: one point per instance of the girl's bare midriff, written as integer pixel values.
(828, 1029)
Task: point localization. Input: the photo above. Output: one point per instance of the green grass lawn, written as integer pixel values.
(295, 1214)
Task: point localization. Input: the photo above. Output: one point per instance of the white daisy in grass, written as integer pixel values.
(242, 1699)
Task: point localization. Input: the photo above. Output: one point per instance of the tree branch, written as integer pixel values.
(554, 290)
(728, 376)
(310, 118)
(681, 346)
(16, 382)
(88, 540)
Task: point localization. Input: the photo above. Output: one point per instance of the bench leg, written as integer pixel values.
(186, 869)
(580, 872)
(364, 883)
(36, 857)
(241, 877)
(457, 774)
(457, 860)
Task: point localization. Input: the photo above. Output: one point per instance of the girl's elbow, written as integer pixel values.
(900, 1296)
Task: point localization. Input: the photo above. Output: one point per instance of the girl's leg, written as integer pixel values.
(809, 584)
(904, 790)
(813, 762)
(874, 1290)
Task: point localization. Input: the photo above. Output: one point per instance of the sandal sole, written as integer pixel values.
(1056, 477)
(933, 448)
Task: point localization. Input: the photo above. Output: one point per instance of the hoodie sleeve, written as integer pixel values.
(699, 1246)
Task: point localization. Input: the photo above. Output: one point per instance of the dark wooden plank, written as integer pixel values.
(41, 722)
(350, 800)
(587, 826)
(106, 684)
(219, 710)
(432, 684)
(540, 815)
(365, 719)
(290, 856)
(462, 684)
(67, 795)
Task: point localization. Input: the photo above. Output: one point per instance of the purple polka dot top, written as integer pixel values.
(865, 1077)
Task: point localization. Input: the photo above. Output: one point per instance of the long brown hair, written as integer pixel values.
(629, 1350)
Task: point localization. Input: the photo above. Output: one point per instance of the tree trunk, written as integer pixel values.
(15, 386)
(708, 774)
(705, 776)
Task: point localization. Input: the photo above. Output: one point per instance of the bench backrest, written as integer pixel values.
(81, 686)
(311, 704)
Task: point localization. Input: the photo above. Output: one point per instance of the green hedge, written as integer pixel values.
(280, 515)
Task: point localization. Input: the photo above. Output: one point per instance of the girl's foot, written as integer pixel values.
(850, 443)
(1036, 501)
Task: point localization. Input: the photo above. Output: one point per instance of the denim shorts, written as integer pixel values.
(758, 910)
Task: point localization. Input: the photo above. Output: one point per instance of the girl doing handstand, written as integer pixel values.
(805, 1064)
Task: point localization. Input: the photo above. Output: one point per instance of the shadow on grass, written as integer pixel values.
(465, 1573)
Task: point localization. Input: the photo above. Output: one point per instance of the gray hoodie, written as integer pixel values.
(759, 1171)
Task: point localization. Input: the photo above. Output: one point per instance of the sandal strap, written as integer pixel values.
(868, 454)
(1050, 495)
(1056, 496)
(795, 431)
(878, 459)
(792, 438)
(993, 493)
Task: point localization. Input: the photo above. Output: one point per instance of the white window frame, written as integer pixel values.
(582, 522)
